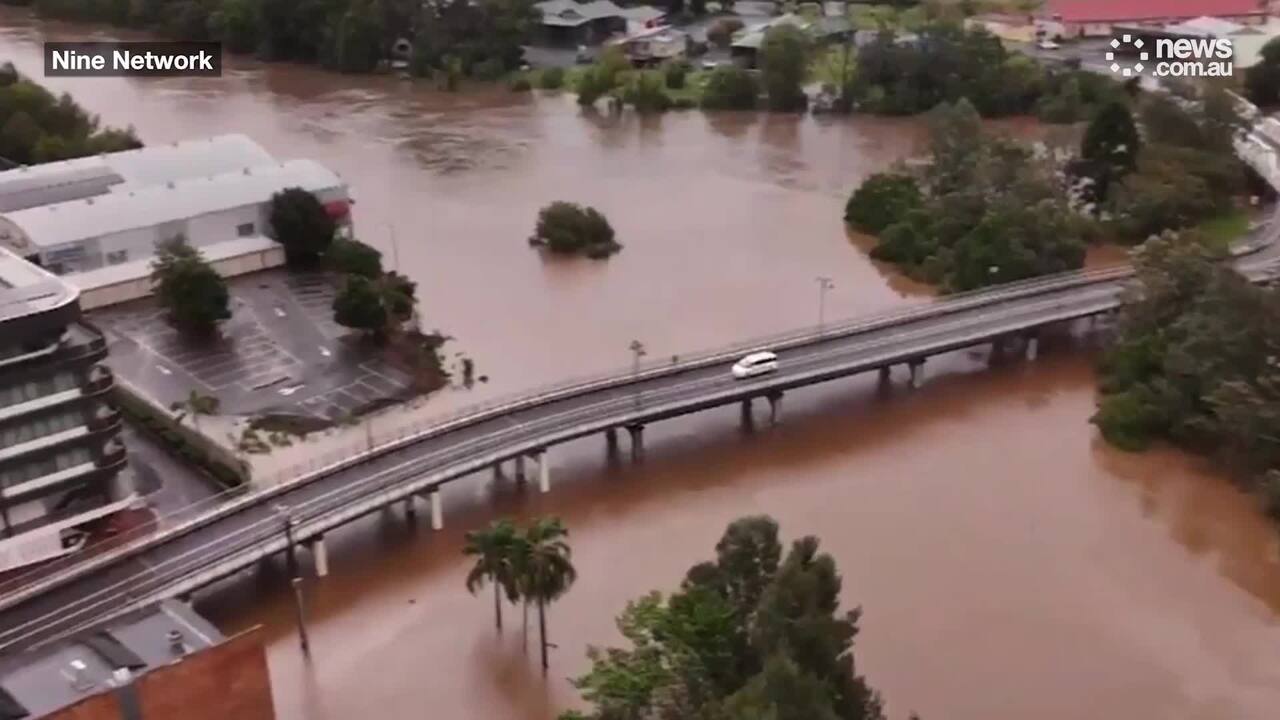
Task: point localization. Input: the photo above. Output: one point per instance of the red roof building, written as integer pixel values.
(1097, 17)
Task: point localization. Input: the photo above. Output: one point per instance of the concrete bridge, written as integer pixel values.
(240, 534)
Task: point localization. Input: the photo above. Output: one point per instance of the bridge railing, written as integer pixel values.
(182, 520)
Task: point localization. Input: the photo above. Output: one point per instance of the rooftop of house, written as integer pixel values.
(31, 186)
(570, 13)
(1114, 11)
(37, 683)
(49, 226)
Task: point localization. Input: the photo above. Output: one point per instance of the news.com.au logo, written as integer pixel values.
(1181, 57)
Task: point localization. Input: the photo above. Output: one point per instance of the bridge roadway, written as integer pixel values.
(235, 538)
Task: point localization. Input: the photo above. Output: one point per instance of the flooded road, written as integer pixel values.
(1009, 565)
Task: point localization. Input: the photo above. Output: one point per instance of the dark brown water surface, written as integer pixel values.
(1009, 565)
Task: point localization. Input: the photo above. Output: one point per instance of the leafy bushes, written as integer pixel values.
(567, 228)
(354, 258)
(551, 78)
(162, 428)
(646, 90)
(882, 200)
(729, 87)
(36, 127)
(992, 212)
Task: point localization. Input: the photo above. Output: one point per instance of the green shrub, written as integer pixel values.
(354, 258)
(729, 87)
(646, 91)
(488, 70)
(551, 78)
(520, 84)
(675, 72)
(568, 228)
(880, 201)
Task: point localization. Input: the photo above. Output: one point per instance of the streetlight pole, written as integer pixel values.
(637, 352)
(291, 562)
(824, 284)
(395, 248)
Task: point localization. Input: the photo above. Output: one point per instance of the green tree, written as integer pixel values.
(747, 637)
(1262, 80)
(18, 138)
(235, 23)
(356, 44)
(302, 225)
(646, 92)
(955, 143)
(882, 200)
(730, 87)
(1110, 147)
(359, 305)
(784, 61)
(494, 550)
(569, 228)
(355, 258)
(547, 571)
(189, 288)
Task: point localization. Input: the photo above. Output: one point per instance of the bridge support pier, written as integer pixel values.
(637, 441)
(775, 408)
(917, 372)
(611, 440)
(497, 471)
(885, 374)
(748, 418)
(544, 472)
(410, 510)
(519, 468)
(320, 554)
(437, 511)
(1033, 346)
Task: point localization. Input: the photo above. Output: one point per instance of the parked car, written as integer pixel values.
(1048, 45)
(757, 363)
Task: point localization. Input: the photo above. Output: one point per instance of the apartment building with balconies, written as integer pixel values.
(60, 452)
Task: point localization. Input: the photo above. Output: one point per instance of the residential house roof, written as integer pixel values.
(752, 37)
(1206, 27)
(1117, 11)
(569, 13)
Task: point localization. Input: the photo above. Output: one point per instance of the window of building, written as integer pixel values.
(245, 230)
(117, 257)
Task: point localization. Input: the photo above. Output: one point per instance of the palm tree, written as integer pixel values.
(493, 551)
(546, 571)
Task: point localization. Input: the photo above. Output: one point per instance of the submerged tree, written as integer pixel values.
(494, 550)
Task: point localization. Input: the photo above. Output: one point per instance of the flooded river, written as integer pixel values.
(1009, 565)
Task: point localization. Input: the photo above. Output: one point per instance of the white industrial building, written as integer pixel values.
(97, 220)
(35, 185)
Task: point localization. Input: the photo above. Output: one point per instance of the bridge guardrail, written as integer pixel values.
(243, 540)
(430, 427)
(261, 538)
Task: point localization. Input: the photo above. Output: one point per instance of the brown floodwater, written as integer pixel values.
(1008, 563)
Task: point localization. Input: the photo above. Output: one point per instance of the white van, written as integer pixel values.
(757, 363)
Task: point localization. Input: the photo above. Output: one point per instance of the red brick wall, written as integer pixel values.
(221, 683)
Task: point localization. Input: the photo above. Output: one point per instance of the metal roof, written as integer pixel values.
(52, 225)
(31, 186)
(48, 680)
(26, 289)
(1118, 11)
(568, 13)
